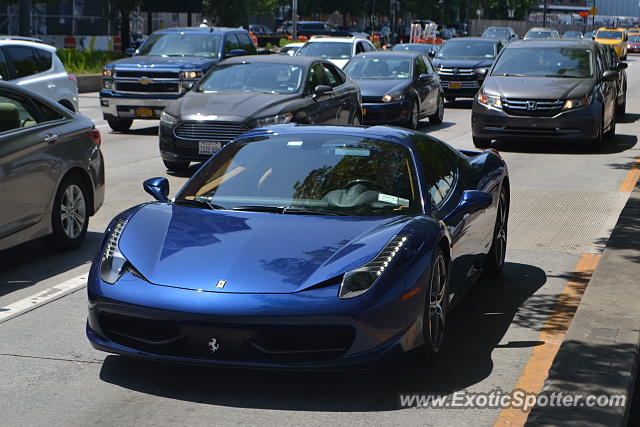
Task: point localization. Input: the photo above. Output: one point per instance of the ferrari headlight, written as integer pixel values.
(113, 264)
(390, 97)
(572, 104)
(168, 119)
(489, 100)
(358, 281)
(273, 120)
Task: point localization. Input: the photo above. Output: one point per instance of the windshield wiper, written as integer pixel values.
(292, 210)
(564, 76)
(200, 203)
(509, 75)
(259, 208)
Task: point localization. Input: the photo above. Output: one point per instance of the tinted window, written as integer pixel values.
(48, 113)
(335, 79)
(230, 43)
(24, 60)
(317, 77)
(359, 47)
(15, 114)
(245, 42)
(420, 67)
(4, 67)
(439, 175)
(253, 77)
(615, 35)
(182, 44)
(545, 62)
(44, 59)
(427, 63)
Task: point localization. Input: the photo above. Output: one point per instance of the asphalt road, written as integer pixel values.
(565, 201)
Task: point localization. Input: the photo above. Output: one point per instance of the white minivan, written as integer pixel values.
(35, 65)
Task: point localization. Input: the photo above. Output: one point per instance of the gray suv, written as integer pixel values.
(540, 89)
(51, 170)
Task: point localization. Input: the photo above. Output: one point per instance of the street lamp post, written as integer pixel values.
(24, 21)
(294, 20)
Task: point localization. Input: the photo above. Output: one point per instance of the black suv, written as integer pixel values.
(163, 69)
(561, 89)
(462, 64)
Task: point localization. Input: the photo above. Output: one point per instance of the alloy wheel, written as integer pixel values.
(500, 240)
(73, 211)
(437, 302)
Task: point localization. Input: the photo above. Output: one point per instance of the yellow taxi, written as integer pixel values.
(633, 32)
(616, 37)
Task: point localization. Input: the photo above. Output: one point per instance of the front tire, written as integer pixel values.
(120, 125)
(70, 215)
(435, 307)
(597, 143)
(481, 142)
(412, 123)
(495, 258)
(438, 116)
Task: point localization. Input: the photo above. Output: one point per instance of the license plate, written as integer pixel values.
(207, 147)
(144, 112)
(455, 85)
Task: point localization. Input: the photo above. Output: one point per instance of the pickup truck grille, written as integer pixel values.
(210, 131)
(150, 87)
(148, 74)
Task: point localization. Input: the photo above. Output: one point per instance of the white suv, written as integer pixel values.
(35, 65)
(338, 50)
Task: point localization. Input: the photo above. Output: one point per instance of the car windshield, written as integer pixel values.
(545, 62)
(253, 77)
(366, 67)
(416, 47)
(614, 35)
(327, 50)
(182, 44)
(294, 173)
(538, 35)
(634, 39)
(463, 49)
(572, 34)
(496, 33)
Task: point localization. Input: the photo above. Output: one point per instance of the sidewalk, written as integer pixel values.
(600, 352)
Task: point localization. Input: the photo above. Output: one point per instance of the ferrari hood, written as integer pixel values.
(253, 252)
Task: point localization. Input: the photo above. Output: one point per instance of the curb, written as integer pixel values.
(600, 352)
(89, 82)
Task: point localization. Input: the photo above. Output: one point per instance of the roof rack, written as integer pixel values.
(22, 38)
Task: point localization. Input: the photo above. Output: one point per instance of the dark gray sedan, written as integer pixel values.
(51, 170)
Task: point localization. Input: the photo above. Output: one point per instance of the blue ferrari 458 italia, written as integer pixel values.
(302, 246)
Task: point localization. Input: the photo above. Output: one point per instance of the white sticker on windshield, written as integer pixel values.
(346, 151)
(294, 143)
(399, 201)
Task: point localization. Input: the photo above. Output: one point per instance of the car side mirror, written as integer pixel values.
(322, 90)
(471, 201)
(622, 66)
(236, 52)
(609, 76)
(158, 188)
(129, 51)
(425, 77)
(481, 73)
(431, 54)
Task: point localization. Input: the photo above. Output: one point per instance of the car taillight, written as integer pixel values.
(94, 134)
(71, 77)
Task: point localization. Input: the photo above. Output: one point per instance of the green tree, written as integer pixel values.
(235, 13)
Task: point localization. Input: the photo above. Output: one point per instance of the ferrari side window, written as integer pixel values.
(438, 172)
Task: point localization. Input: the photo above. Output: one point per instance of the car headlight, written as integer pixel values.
(481, 72)
(274, 120)
(168, 119)
(113, 264)
(572, 104)
(489, 100)
(107, 72)
(358, 281)
(396, 96)
(191, 75)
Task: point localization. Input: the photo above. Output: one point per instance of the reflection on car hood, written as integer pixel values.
(462, 63)
(153, 62)
(379, 87)
(243, 104)
(538, 87)
(254, 252)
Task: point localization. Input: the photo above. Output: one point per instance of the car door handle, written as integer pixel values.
(51, 137)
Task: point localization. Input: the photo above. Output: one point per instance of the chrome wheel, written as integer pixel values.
(413, 119)
(73, 211)
(440, 109)
(500, 240)
(437, 303)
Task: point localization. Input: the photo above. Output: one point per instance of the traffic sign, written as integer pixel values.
(593, 10)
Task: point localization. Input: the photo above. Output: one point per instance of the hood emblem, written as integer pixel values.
(532, 105)
(213, 345)
(145, 80)
(221, 284)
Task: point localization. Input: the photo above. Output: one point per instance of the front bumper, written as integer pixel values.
(117, 105)
(251, 330)
(494, 124)
(386, 112)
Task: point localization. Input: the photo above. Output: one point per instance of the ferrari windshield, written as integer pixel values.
(326, 174)
(253, 77)
(182, 44)
(544, 62)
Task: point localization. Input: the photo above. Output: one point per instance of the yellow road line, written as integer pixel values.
(632, 177)
(555, 328)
